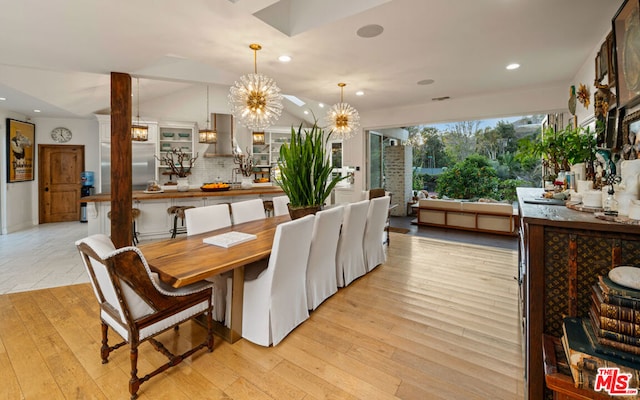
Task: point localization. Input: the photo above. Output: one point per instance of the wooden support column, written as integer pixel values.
(121, 194)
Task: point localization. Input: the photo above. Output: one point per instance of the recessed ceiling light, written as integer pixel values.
(306, 112)
(513, 66)
(36, 111)
(321, 105)
(369, 31)
(3, 98)
(441, 98)
(284, 58)
(426, 82)
(359, 93)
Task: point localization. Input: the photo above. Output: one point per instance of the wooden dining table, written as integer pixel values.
(185, 260)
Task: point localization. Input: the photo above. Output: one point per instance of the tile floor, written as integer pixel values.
(41, 257)
(45, 256)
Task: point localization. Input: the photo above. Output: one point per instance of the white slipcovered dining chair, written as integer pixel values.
(138, 306)
(280, 205)
(321, 268)
(275, 298)
(373, 244)
(248, 210)
(350, 256)
(206, 219)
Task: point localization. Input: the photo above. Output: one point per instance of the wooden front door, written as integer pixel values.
(59, 182)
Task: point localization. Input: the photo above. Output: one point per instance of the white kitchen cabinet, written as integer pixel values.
(153, 221)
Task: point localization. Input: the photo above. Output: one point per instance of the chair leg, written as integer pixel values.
(105, 350)
(174, 231)
(134, 382)
(135, 234)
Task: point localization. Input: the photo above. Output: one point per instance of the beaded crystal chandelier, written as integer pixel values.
(255, 100)
(342, 118)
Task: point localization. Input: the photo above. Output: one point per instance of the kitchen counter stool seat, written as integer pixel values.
(178, 212)
(135, 213)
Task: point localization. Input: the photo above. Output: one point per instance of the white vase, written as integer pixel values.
(246, 183)
(183, 184)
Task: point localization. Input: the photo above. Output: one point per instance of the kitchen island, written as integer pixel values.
(154, 222)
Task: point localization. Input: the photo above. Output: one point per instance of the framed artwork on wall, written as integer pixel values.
(611, 60)
(20, 154)
(631, 136)
(626, 28)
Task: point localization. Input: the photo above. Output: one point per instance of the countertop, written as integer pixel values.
(553, 215)
(174, 194)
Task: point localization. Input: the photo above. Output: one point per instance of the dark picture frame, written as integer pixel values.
(611, 60)
(631, 136)
(612, 139)
(626, 30)
(21, 139)
(604, 61)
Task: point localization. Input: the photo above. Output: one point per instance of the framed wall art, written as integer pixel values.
(602, 62)
(626, 28)
(611, 60)
(20, 150)
(631, 136)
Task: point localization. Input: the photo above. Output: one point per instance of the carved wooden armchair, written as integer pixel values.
(138, 306)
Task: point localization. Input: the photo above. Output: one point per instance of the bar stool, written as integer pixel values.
(135, 213)
(268, 207)
(178, 212)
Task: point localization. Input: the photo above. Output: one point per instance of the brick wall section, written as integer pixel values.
(398, 166)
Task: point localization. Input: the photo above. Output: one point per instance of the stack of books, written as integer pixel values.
(615, 316)
(586, 355)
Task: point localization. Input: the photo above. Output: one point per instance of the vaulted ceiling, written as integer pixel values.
(56, 55)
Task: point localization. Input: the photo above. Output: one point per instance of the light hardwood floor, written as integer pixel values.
(439, 320)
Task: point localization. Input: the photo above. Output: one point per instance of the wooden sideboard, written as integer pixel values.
(561, 253)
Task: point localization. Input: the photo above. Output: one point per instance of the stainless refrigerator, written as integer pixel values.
(143, 165)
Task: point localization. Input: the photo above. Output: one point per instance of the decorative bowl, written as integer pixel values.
(220, 188)
(167, 134)
(184, 135)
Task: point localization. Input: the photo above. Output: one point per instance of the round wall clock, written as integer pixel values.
(61, 135)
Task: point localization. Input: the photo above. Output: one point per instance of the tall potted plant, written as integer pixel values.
(305, 170)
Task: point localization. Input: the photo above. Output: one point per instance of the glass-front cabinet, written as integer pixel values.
(171, 136)
(266, 146)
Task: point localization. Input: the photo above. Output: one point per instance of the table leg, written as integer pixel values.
(237, 294)
(233, 334)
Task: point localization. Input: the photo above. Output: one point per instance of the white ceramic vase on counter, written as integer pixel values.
(246, 183)
(183, 184)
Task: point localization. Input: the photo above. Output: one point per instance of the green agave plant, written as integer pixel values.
(305, 168)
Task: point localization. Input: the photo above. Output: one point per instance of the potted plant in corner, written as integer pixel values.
(305, 171)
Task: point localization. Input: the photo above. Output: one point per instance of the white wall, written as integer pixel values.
(16, 199)
(19, 200)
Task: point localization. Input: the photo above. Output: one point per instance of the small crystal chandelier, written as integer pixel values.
(208, 135)
(255, 100)
(139, 133)
(343, 119)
